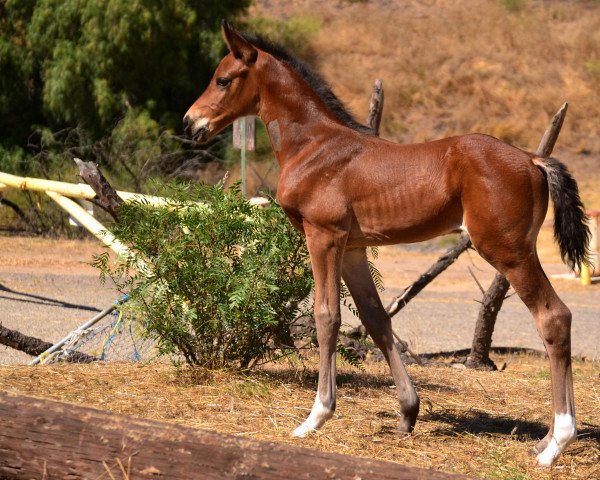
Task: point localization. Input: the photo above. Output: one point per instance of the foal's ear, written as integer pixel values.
(238, 45)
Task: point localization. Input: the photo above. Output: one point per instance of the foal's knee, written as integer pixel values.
(554, 326)
(328, 318)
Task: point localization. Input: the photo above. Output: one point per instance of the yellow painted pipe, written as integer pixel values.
(89, 222)
(73, 190)
(586, 278)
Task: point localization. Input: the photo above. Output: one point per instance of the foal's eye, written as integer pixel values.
(223, 81)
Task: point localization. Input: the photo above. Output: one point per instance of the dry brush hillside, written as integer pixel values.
(500, 67)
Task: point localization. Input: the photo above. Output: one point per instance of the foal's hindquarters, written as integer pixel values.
(504, 199)
(508, 243)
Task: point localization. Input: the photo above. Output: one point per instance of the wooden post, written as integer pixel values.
(244, 138)
(50, 439)
(376, 107)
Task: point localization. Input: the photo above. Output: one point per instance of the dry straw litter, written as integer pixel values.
(477, 423)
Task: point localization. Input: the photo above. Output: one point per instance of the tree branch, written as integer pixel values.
(106, 196)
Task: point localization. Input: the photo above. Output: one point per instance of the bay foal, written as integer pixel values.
(347, 189)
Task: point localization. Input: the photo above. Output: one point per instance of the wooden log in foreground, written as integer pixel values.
(50, 439)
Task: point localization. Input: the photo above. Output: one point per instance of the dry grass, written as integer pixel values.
(478, 423)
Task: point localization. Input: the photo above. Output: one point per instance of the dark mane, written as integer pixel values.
(319, 86)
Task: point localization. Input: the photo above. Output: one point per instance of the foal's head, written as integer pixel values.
(232, 92)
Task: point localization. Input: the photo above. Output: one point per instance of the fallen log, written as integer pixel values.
(50, 439)
(34, 346)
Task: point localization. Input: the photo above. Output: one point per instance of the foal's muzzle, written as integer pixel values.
(197, 130)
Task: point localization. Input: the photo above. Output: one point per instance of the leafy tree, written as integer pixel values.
(87, 62)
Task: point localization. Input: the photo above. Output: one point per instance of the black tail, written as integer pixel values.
(571, 230)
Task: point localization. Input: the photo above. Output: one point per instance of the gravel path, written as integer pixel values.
(47, 289)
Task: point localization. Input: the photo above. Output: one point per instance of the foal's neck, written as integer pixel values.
(292, 111)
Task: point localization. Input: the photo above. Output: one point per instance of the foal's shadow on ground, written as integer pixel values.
(477, 423)
(456, 422)
(309, 379)
(41, 300)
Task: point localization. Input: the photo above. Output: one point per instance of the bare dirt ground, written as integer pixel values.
(48, 288)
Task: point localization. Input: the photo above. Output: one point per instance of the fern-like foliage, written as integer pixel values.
(349, 356)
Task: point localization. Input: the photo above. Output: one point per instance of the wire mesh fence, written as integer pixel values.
(116, 336)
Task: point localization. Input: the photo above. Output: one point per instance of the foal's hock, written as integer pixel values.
(347, 189)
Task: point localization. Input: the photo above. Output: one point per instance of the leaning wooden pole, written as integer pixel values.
(34, 346)
(426, 278)
(89, 222)
(376, 107)
(493, 298)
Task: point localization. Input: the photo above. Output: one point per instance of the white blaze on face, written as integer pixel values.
(318, 416)
(563, 433)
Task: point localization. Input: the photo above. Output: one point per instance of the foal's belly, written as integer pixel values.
(398, 224)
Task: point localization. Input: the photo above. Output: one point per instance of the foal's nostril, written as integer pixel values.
(187, 125)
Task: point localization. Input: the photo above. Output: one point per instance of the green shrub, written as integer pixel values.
(222, 284)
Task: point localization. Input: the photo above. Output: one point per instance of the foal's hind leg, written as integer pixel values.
(553, 321)
(356, 275)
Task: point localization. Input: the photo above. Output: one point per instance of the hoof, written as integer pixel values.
(303, 431)
(563, 434)
(406, 425)
(547, 457)
(552, 451)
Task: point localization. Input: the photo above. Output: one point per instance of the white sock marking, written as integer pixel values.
(563, 433)
(318, 416)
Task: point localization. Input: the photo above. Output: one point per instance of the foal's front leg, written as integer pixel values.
(326, 251)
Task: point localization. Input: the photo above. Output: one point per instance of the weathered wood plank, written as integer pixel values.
(49, 439)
